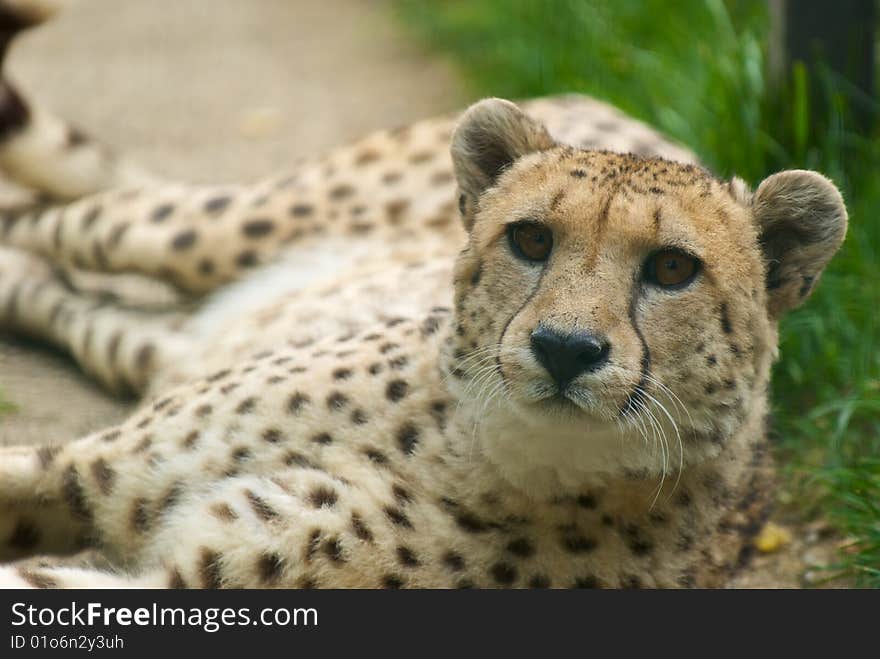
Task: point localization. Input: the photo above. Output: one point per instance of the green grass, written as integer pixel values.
(5, 406)
(696, 70)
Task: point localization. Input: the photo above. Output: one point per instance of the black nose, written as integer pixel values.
(565, 356)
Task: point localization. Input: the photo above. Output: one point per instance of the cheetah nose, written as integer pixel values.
(565, 356)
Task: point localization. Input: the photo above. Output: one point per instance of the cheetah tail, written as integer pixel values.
(41, 151)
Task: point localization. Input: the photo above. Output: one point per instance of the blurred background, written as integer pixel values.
(224, 89)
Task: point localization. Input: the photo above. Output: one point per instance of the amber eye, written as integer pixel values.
(530, 240)
(670, 268)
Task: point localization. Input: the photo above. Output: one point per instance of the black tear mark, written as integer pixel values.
(726, 327)
(638, 392)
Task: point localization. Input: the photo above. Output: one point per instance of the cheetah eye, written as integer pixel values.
(670, 268)
(530, 240)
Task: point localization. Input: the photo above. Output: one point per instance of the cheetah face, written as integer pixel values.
(603, 291)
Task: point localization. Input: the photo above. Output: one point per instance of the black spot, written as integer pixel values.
(392, 582)
(322, 497)
(806, 286)
(398, 363)
(262, 509)
(184, 240)
(190, 440)
(246, 259)
(358, 417)
(296, 402)
(636, 541)
(218, 375)
(539, 581)
(587, 581)
(161, 213)
(209, 569)
(396, 390)
(342, 373)
(246, 406)
(438, 412)
(341, 191)
(175, 580)
(217, 205)
(686, 580)
(521, 547)
(578, 173)
(578, 544)
(376, 456)
(117, 233)
(140, 515)
(223, 511)
(25, 536)
(46, 455)
(323, 438)
(398, 517)
(631, 582)
(336, 401)
(111, 435)
(312, 544)
(74, 494)
(408, 438)
(361, 530)
(144, 358)
(90, 217)
(471, 523)
(258, 228)
(430, 325)
(503, 574)
(241, 453)
(477, 274)
(270, 568)
(726, 327)
(454, 561)
(401, 494)
(104, 476)
(272, 435)
(301, 210)
(587, 501)
(395, 210)
(407, 557)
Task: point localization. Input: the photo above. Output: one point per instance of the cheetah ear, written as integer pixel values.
(801, 221)
(490, 136)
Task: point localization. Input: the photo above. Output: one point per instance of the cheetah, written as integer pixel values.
(528, 346)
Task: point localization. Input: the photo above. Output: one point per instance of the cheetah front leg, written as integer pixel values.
(121, 348)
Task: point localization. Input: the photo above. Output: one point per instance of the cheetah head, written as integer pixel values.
(618, 313)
